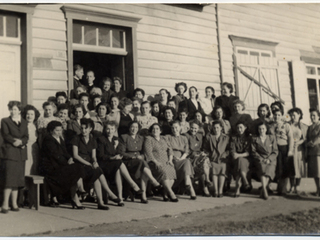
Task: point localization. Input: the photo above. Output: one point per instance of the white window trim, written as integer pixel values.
(316, 77)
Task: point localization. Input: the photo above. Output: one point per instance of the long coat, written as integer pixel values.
(189, 105)
(10, 131)
(218, 150)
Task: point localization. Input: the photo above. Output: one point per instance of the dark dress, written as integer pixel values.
(227, 104)
(106, 95)
(130, 148)
(240, 144)
(261, 151)
(105, 151)
(189, 105)
(59, 175)
(166, 127)
(85, 151)
(14, 158)
(313, 157)
(234, 119)
(121, 94)
(218, 151)
(125, 119)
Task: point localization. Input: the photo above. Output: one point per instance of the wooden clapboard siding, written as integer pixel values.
(293, 26)
(49, 52)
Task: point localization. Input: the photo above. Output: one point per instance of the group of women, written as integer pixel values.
(128, 146)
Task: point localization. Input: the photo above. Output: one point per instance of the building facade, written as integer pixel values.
(269, 51)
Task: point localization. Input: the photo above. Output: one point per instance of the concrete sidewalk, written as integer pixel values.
(47, 219)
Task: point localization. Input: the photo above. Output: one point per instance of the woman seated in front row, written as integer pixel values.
(131, 146)
(84, 153)
(109, 160)
(264, 153)
(159, 156)
(182, 164)
(216, 145)
(57, 166)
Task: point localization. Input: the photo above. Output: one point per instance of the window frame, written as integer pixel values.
(315, 77)
(100, 16)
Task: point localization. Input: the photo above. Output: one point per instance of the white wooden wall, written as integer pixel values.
(294, 26)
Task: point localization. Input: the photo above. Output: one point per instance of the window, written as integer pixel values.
(313, 80)
(10, 28)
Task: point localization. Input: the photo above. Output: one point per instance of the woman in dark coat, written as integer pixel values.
(14, 131)
(240, 149)
(192, 105)
(239, 115)
(169, 117)
(58, 167)
(109, 159)
(226, 99)
(131, 147)
(264, 153)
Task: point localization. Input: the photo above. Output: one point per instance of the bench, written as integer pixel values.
(35, 180)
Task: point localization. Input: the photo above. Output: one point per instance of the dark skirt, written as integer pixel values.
(13, 173)
(241, 164)
(262, 169)
(110, 168)
(183, 168)
(285, 166)
(135, 167)
(163, 172)
(91, 175)
(314, 166)
(61, 180)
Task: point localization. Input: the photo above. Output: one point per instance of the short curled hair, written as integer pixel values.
(155, 124)
(194, 89)
(125, 102)
(217, 122)
(296, 110)
(266, 106)
(49, 103)
(104, 80)
(183, 110)
(136, 99)
(314, 110)
(77, 67)
(96, 91)
(277, 104)
(238, 101)
(174, 112)
(154, 103)
(213, 113)
(180, 84)
(53, 125)
(110, 123)
(277, 110)
(30, 108)
(102, 104)
(61, 94)
(11, 104)
(260, 123)
(79, 106)
(133, 122)
(168, 93)
(87, 122)
(84, 94)
(139, 90)
(117, 79)
(195, 121)
(64, 107)
(94, 96)
(228, 85)
(212, 89)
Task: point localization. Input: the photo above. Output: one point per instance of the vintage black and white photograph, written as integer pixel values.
(159, 119)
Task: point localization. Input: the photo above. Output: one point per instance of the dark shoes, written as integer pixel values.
(103, 207)
(193, 197)
(5, 211)
(145, 201)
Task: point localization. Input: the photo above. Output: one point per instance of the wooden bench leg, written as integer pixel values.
(38, 197)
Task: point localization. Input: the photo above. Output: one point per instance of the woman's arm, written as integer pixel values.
(274, 152)
(77, 157)
(255, 154)
(290, 140)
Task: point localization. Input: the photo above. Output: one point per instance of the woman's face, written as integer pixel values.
(193, 93)
(277, 116)
(85, 130)
(30, 116)
(110, 130)
(57, 132)
(238, 108)
(139, 95)
(241, 129)
(263, 112)
(61, 100)
(102, 111)
(136, 106)
(156, 131)
(209, 93)
(183, 116)
(172, 104)
(156, 108)
(163, 95)
(48, 110)
(175, 128)
(262, 129)
(225, 90)
(79, 90)
(96, 101)
(127, 109)
(107, 86)
(219, 113)
(63, 114)
(78, 113)
(194, 128)
(295, 117)
(168, 114)
(216, 129)
(134, 128)
(199, 117)
(114, 103)
(145, 109)
(314, 117)
(84, 101)
(181, 89)
(117, 86)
